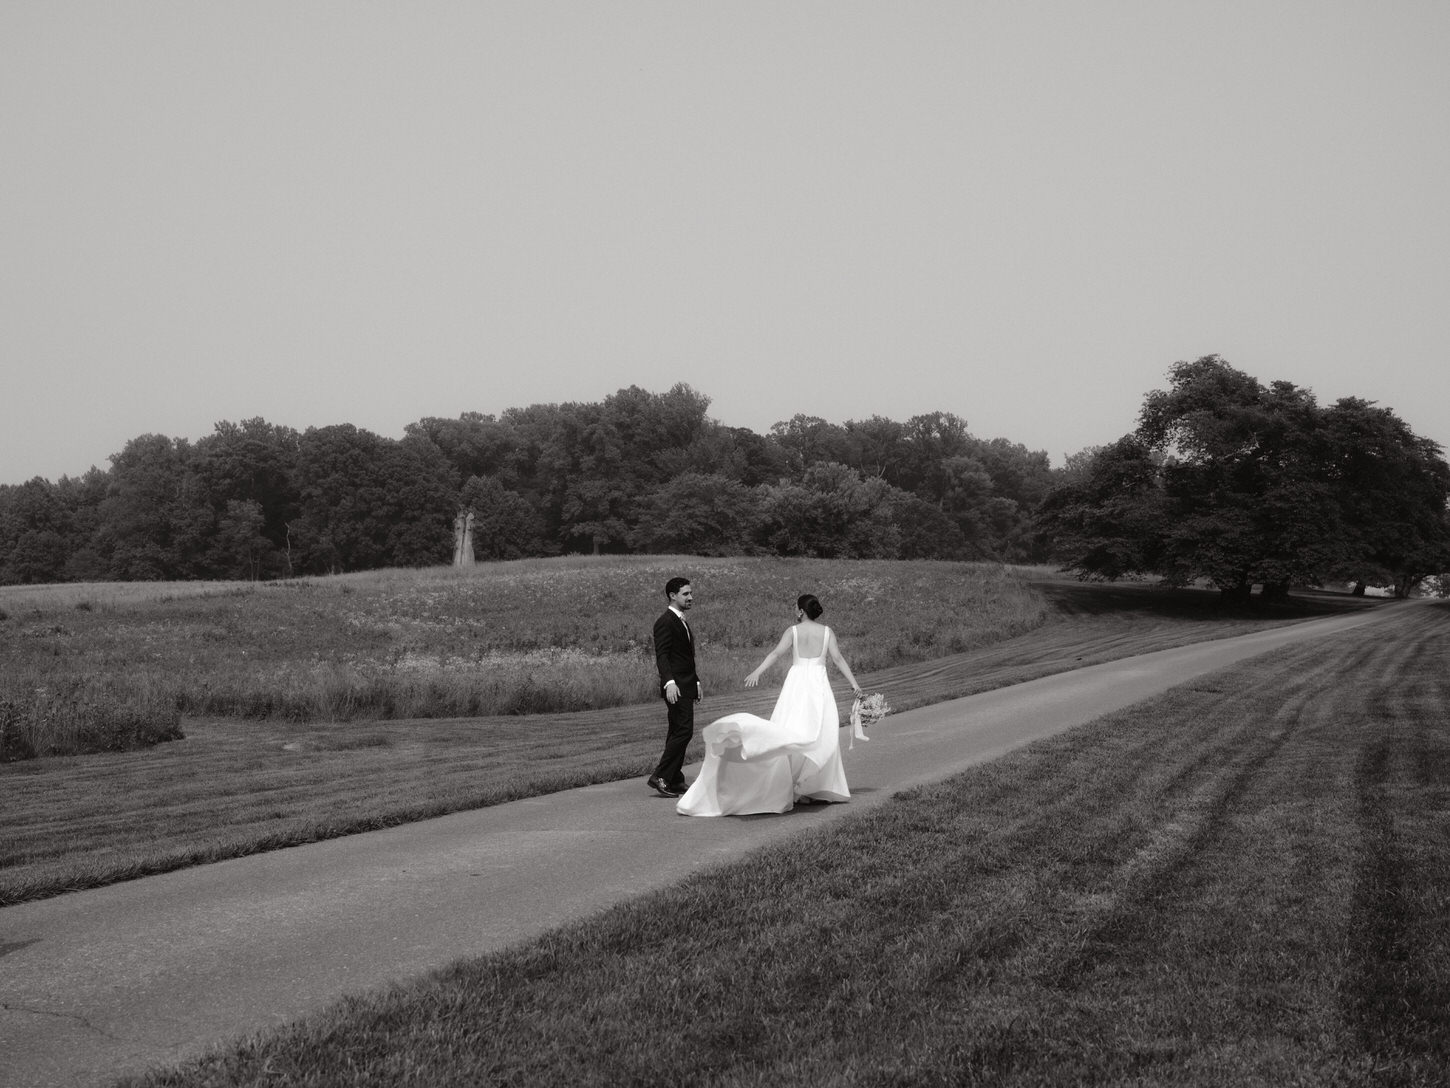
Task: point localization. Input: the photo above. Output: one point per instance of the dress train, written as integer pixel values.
(755, 764)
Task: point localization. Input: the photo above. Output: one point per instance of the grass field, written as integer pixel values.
(533, 636)
(235, 787)
(1243, 882)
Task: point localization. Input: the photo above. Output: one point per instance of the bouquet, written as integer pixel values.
(866, 710)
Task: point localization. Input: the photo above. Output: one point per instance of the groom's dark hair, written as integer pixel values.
(674, 585)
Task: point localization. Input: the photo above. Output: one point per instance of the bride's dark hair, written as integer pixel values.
(808, 604)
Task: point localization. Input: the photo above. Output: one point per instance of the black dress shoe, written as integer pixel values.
(658, 785)
(680, 788)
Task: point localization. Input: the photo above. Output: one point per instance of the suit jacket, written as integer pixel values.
(675, 655)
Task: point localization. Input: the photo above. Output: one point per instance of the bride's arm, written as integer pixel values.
(840, 661)
(780, 648)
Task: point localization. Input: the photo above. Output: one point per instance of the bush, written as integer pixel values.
(75, 718)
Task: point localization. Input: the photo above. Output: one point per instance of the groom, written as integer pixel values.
(675, 659)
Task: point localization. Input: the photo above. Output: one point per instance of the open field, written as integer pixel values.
(1242, 882)
(237, 787)
(533, 636)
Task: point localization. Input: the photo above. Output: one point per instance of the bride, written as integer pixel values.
(758, 765)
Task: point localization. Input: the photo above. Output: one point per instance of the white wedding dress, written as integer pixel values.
(757, 765)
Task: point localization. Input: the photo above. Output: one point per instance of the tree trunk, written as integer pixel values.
(1405, 584)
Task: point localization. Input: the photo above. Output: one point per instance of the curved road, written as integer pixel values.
(115, 980)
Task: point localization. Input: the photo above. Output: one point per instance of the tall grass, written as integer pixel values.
(532, 636)
(75, 715)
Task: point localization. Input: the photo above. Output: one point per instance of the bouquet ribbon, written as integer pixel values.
(866, 708)
(858, 731)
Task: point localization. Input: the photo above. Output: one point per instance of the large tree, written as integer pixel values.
(505, 526)
(1110, 518)
(154, 520)
(370, 502)
(1237, 483)
(809, 440)
(33, 529)
(736, 453)
(248, 473)
(699, 514)
(621, 450)
(475, 444)
(832, 512)
(929, 443)
(1392, 485)
(1249, 499)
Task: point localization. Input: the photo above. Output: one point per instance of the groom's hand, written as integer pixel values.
(672, 692)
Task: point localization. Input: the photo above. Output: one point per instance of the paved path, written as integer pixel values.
(118, 979)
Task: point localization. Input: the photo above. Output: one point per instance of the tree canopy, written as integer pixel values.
(637, 471)
(1224, 479)
(1236, 483)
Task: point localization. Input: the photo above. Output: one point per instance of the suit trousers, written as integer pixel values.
(681, 717)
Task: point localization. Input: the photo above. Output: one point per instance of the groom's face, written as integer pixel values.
(683, 598)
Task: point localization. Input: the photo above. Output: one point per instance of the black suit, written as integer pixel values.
(675, 659)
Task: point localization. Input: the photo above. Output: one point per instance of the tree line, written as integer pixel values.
(1224, 480)
(1241, 484)
(636, 472)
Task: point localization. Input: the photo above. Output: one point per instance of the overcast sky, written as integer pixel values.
(1020, 212)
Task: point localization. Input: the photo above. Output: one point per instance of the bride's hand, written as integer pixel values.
(752, 680)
